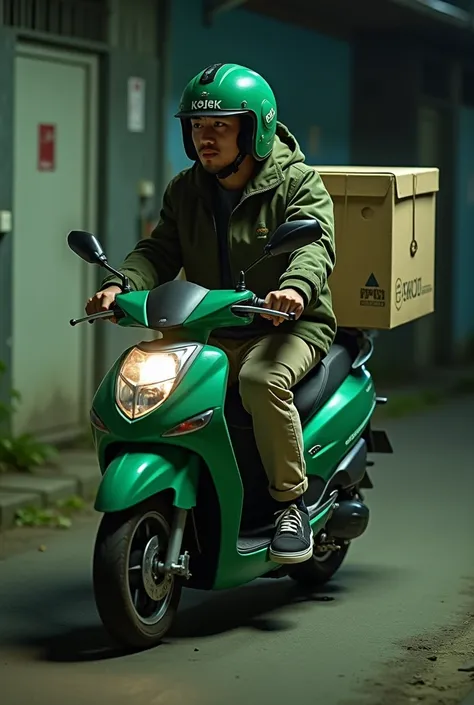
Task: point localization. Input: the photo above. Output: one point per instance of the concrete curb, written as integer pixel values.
(77, 474)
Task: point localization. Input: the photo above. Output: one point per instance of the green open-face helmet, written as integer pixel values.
(230, 89)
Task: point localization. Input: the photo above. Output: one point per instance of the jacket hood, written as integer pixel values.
(286, 150)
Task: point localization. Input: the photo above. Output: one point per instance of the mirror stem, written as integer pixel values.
(125, 283)
(257, 261)
(241, 286)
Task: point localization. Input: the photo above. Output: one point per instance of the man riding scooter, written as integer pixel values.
(248, 170)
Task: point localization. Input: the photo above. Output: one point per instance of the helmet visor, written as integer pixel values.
(209, 113)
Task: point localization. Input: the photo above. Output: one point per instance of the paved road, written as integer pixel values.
(408, 576)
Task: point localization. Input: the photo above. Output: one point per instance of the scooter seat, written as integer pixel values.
(321, 382)
(309, 395)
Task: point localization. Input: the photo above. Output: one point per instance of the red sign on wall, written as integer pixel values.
(46, 147)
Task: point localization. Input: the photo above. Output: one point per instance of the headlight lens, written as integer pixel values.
(146, 379)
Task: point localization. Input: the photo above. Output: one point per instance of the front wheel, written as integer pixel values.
(136, 604)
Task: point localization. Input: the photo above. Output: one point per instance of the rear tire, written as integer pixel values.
(136, 605)
(320, 568)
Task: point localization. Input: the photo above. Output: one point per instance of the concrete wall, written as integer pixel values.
(6, 197)
(463, 313)
(309, 73)
(128, 157)
(125, 159)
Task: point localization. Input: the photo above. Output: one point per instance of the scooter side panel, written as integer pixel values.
(134, 477)
(339, 424)
(202, 388)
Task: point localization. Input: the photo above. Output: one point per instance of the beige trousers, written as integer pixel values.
(266, 369)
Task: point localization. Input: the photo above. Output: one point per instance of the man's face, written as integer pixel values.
(215, 140)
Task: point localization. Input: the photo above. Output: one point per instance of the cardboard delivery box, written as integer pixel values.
(385, 244)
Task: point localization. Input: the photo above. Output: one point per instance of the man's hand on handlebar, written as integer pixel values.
(103, 301)
(286, 300)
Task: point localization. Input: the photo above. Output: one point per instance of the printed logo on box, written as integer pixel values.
(408, 290)
(372, 294)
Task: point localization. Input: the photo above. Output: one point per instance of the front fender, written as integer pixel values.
(134, 477)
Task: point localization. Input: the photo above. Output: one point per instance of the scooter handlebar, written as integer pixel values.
(258, 306)
(261, 304)
(258, 302)
(111, 313)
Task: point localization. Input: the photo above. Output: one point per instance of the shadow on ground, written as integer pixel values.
(254, 606)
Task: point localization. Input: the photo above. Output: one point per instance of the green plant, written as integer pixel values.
(31, 516)
(58, 517)
(23, 452)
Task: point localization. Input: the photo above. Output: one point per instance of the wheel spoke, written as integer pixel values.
(136, 598)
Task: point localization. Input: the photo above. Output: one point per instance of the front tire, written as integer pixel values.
(135, 603)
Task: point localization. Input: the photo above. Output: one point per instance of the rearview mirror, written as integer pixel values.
(293, 235)
(86, 246)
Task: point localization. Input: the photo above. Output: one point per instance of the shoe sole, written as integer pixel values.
(289, 558)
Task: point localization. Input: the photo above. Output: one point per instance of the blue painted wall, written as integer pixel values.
(310, 74)
(464, 255)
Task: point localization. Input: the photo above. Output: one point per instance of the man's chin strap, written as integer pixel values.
(231, 168)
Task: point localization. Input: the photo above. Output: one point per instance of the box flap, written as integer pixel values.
(357, 185)
(376, 180)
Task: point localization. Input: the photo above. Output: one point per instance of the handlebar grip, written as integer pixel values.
(261, 304)
(258, 302)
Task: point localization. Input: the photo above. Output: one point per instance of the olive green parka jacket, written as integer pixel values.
(284, 188)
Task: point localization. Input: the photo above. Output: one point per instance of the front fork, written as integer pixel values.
(175, 562)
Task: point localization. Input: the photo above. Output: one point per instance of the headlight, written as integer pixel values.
(146, 379)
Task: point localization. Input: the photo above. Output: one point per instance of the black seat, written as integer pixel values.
(309, 395)
(320, 384)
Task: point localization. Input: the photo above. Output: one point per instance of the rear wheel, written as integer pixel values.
(135, 602)
(320, 568)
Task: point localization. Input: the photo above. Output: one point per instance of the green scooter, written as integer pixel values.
(183, 491)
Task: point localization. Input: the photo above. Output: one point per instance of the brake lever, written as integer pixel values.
(93, 317)
(237, 308)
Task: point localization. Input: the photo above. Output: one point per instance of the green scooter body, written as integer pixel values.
(199, 469)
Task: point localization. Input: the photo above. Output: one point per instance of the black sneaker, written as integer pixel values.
(293, 540)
